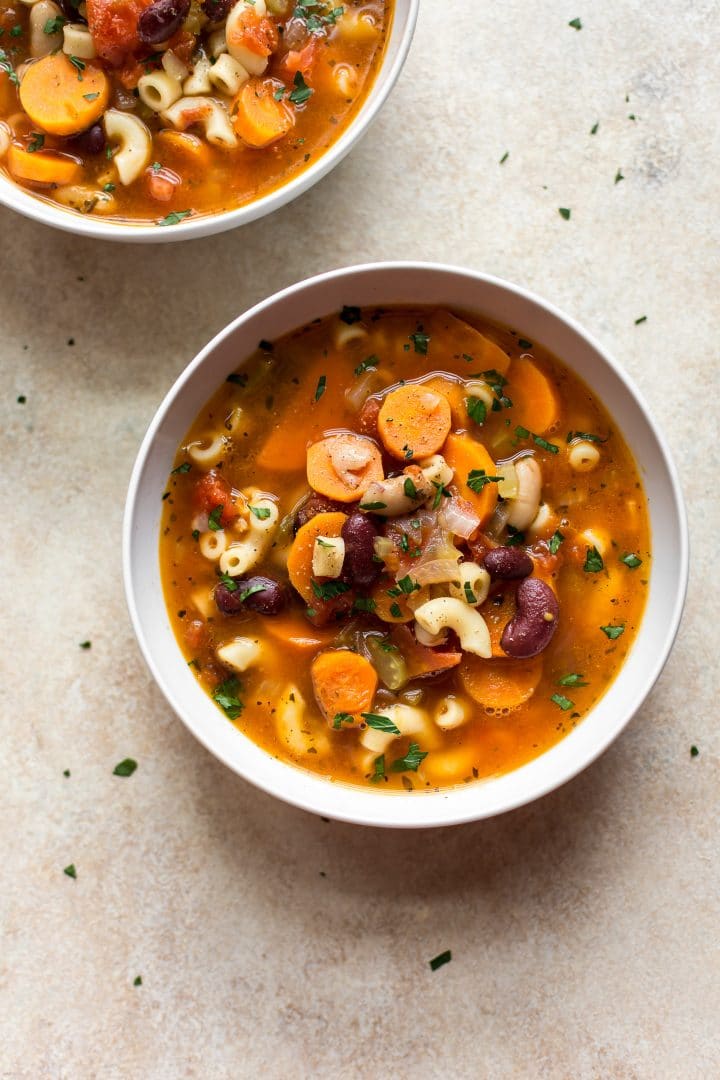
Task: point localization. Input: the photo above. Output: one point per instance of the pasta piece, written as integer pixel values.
(328, 556)
(250, 36)
(346, 334)
(208, 113)
(246, 553)
(5, 138)
(134, 144)
(207, 455)
(447, 613)
(473, 584)
(451, 713)
(583, 456)
(174, 66)
(198, 81)
(159, 90)
(78, 41)
(227, 74)
(213, 544)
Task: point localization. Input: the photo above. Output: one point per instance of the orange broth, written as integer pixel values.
(590, 543)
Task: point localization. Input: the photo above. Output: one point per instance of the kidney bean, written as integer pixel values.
(87, 142)
(316, 504)
(531, 629)
(359, 534)
(367, 418)
(161, 20)
(270, 599)
(508, 563)
(216, 10)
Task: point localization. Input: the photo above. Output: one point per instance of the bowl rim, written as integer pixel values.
(429, 808)
(402, 30)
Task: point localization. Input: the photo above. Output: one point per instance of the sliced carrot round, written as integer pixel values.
(391, 604)
(414, 421)
(258, 117)
(344, 683)
(293, 631)
(43, 166)
(470, 460)
(299, 564)
(61, 98)
(343, 466)
(535, 401)
(500, 685)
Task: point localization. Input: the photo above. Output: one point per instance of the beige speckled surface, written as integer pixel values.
(584, 929)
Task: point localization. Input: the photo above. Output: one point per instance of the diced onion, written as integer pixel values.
(369, 383)
(435, 571)
(459, 517)
(388, 663)
(498, 521)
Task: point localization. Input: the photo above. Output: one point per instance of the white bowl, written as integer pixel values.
(412, 284)
(396, 50)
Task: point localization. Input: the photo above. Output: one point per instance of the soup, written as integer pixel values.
(404, 548)
(156, 110)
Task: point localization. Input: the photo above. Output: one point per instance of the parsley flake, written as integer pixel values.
(226, 695)
(593, 561)
(126, 767)
(441, 959)
(613, 632)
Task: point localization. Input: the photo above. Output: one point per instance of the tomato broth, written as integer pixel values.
(340, 563)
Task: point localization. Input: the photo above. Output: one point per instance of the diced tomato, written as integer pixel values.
(213, 490)
(195, 634)
(300, 59)
(182, 44)
(130, 73)
(113, 25)
(161, 183)
(422, 661)
(258, 34)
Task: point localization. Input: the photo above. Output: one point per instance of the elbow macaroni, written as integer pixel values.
(227, 74)
(159, 90)
(448, 613)
(206, 112)
(134, 141)
(246, 553)
(473, 584)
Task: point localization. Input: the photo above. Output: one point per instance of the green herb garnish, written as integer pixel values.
(320, 390)
(126, 767)
(562, 702)
(572, 680)
(226, 695)
(174, 217)
(593, 561)
(420, 342)
(476, 409)
(342, 718)
(380, 723)
(613, 632)
(214, 517)
(302, 91)
(409, 488)
(70, 870)
(555, 541)
(379, 773)
(184, 468)
(366, 364)
(477, 479)
(262, 513)
(328, 590)
(564, 213)
(411, 760)
(631, 560)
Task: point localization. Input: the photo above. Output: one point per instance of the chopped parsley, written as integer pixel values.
(373, 506)
(196, 534)
(174, 217)
(469, 594)
(137, 981)
(328, 590)
(126, 767)
(214, 518)
(262, 513)
(439, 492)
(613, 632)
(642, 319)
(594, 128)
(441, 959)
(36, 143)
(395, 610)
(315, 15)
(250, 591)
(593, 561)
(53, 25)
(379, 773)
(420, 342)
(504, 158)
(229, 583)
(572, 680)
(320, 390)
(380, 723)
(694, 751)
(79, 66)
(350, 315)
(515, 537)
(184, 468)
(564, 213)
(226, 695)
(523, 433)
(238, 380)
(587, 435)
(409, 763)
(562, 702)
(618, 177)
(302, 91)
(478, 478)
(555, 541)
(342, 718)
(476, 409)
(409, 488)
(405, 585)
(7, 67)
(366, 364)
(70, 870)
(576, 24)
(364, 603)
(631, 560)
(92, 97)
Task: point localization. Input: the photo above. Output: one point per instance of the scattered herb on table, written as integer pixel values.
(441, 959)
(126, 767)
(70, 870)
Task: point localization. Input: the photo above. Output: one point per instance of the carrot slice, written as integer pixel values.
(180, 148)
(500, 685)
(455, 394)
(467, 456)
(293, 631)
(414, 421)
(258, 117)
(468, 351)
(305, 416)
(299, 563)
(535, 403)
(344, 682)
(343, 466)
(44, 166)
(61, 98)
(392, 609)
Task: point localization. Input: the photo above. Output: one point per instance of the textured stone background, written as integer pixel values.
(584, 929)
